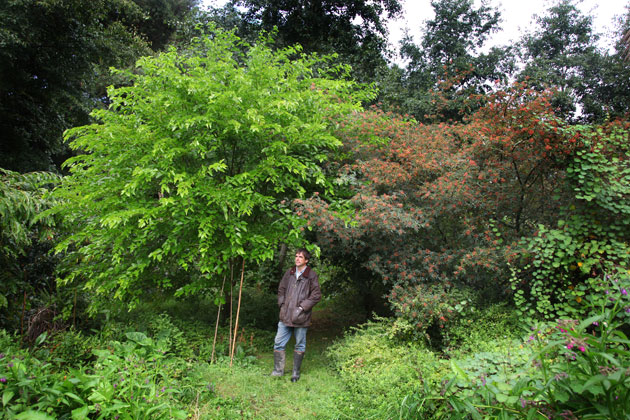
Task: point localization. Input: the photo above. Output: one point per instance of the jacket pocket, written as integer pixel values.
(298, 316)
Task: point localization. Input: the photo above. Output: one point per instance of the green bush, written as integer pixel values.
(70, 348)
(25, 241)
(569, 369)
(592, 234)
(376, 369)
(428, 310)
(483, 330)
(134, 379)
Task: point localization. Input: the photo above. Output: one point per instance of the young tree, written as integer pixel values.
(195, 165)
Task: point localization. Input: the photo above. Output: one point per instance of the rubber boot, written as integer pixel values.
(297, 363)
(278, 363)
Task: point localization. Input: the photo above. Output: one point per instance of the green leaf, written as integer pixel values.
(139, 338)
(592, 383)
(74, 397)
(179, 414)
(6, 396)
(501, 397)
(458, 371)
(41, 338)
(33, 415)
(80, 413)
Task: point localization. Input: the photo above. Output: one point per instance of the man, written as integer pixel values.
(297, 294)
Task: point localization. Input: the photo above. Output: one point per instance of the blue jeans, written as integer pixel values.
(284, 334)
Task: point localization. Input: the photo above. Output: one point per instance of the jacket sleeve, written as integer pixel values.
(282, 288)
(314, 294)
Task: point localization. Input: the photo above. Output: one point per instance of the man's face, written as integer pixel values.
(300, 261)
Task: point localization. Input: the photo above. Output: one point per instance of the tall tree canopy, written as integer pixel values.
(355, 29)
(561, 53)
(54, 59)
(449, 59)
(610, 96)
(197, 162)
(160, 19)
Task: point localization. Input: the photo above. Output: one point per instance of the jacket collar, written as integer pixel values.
(305, 273)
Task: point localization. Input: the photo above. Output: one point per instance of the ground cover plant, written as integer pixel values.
(569, 368)
(157, 366)
(132, 379)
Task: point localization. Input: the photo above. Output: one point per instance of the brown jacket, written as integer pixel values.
(295, 293)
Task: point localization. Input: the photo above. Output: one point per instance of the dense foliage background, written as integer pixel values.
(473, 204)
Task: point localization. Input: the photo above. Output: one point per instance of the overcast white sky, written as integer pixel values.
(517, 17)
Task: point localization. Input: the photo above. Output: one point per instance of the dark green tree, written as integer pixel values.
(561, 53)
(355, 29)
(51, 54)
(54, 60)
(227, 17)
(450, 60)
(161, 19)
(610, 97)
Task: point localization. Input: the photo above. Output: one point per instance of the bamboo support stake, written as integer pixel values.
(238, 310)
(231, 307)
(216, 328)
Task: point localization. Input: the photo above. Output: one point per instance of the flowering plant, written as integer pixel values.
(579, 368)
(585, 364)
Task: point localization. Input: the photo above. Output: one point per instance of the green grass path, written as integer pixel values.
(248, 392)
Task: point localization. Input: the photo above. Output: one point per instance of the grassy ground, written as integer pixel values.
(247, 391)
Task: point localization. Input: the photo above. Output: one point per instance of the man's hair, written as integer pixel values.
(303, 251)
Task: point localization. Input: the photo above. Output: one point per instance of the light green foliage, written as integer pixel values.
(133, 379)
(196, 164)
(483, 347)
(591, 237)
(376, 370)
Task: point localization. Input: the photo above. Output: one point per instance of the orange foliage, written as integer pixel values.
(445, 202)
